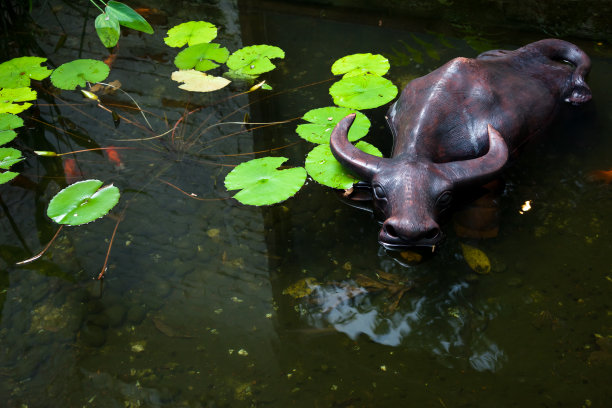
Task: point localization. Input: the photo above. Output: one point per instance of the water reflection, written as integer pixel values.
(437, 320)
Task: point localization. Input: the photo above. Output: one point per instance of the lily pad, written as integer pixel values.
(9, 96)
(323, 167)
(323, 121)
(255, 59)
(9, 156)
(477, 260)
(9, 121)
(108, 30)
(7, 176)
(191, 33)
(359, 64)
(363, 92)
(18, 72)
(261, 183)
(128, 17)
(78, 72)
(198, 81)
(6, 136)
(201, 57)
(82, 202)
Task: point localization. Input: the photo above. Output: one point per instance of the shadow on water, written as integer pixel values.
(211, 303)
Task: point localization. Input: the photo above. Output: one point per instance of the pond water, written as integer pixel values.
(207, 302)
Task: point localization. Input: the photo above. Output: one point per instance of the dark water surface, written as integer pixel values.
(202, 304)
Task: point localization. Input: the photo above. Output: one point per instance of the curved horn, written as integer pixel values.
(578, 91)
(480, 169)
(364, 165)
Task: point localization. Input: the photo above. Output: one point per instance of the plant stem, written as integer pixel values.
(94, 3)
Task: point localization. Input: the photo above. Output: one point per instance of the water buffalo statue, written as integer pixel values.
(457, 127)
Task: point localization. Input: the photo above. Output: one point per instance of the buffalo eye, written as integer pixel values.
(444, 200)
(379, 193)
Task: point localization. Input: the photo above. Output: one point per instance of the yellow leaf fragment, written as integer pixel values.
(301, 288)
(411, 256)
(477, 260)
(198, 81)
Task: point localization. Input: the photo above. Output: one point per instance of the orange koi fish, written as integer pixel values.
(601, 175)
(113, 157)
(71, 170)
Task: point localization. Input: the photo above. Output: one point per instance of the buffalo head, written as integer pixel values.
(410, 194)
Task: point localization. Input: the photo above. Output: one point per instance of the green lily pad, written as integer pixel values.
(9, 121)
(201, 57)
(128, 17)
(78, 72)
(6, 136)
(82, 202)
(323, 167)
(108, 30)
(191, 33)
(255, 59)
(9, 96)
(359, 64)
(323, 121)
(363, 92)
(261, 183)
(7, 176)
(9, 156)
(18, 72)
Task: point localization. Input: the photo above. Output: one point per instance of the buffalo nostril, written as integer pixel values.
(432, 234)
(389, 229)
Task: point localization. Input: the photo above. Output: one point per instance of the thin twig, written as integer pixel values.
(191, 195)
(110, 245)
(41, 253)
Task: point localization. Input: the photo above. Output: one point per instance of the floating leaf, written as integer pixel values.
(9, 96)
(201, 57)
(82, 202)
(323, 167)
(7, 176)
(9, 156)
(6, 136)
(363, 92)
(198, 81)
(45, 153)
(359, 64)
(262, 184)
(9, 121)
(191, 33)
(16, 73)
(108, 30)
(78, 72)
(128, 17)
(476, 259)
(323, 121)
(254, 60)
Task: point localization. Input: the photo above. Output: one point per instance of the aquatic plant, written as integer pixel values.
(115, 15)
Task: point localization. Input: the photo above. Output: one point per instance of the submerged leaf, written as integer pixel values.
(363, 92)
(108, 29)
(9, 156)
(301, 288)
(201, 57)
(359, 64)
(128, 17)
(78, 72)
(255, 59)
(261, 183)
(477, 260)
(82, 202)
(10, 121)
(191, 33)
(323, 167)
(7, 176)
(16, 73)
(323, 121)
(198, 81)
